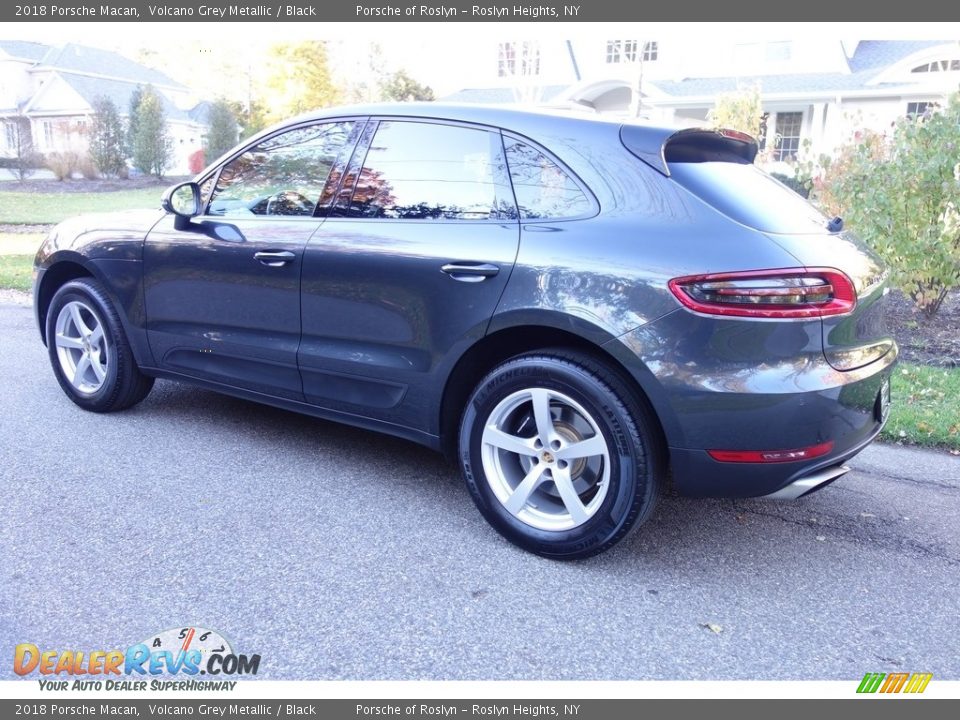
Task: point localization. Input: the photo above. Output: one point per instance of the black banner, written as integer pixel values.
(484, 11)
(875, 709)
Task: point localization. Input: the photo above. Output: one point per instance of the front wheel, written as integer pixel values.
(89, 352)
(558, 454)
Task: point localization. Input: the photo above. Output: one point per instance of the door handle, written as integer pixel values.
(470, 272)
(274, 259)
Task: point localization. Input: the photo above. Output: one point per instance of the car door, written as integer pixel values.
(407, 270)
(222, 293)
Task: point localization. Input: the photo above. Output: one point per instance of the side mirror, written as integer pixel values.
(183, 201)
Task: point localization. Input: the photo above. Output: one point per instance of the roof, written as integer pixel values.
(503, 95)
(871, 58)
(75, 58)
(119, 91)
(22, 50)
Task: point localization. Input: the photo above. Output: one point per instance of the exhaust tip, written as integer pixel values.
(808, 484)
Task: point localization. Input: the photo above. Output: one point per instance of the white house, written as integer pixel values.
(54, 88)
(819, 90)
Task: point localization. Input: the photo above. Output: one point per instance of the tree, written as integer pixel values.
(901, 194)
(400, 86)
(741, 110)
(151, 141)
(107, 138)
(132, 110)
(25, 159)
(223, 131)
(299, 79)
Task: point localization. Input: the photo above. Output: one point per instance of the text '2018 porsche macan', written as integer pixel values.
(574, 308)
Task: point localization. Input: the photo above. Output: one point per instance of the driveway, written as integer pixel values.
(341, 554)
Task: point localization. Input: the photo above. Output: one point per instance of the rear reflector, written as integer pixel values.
(771, 456)
(786, 293)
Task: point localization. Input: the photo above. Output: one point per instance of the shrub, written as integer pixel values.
(87, 167)
(795, 184)
(62, 164)
(901, 193)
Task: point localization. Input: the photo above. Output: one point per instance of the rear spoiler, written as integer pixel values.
(659, 146)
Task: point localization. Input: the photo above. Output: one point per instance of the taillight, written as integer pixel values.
(786, 293)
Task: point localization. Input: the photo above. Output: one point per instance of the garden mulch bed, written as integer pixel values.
(925, 341)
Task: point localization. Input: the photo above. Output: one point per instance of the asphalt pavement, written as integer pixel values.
(336, 553)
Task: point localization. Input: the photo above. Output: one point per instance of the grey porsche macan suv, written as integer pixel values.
(574, 308)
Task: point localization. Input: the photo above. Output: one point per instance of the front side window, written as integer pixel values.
(283, 175)
(543, 189)
(425, 171)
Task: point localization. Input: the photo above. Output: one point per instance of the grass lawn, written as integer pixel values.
(32, 208)
(926, 406)
(16, 271)
(20, 243)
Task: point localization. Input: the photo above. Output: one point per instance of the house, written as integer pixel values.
(819, 90)
(53, 88)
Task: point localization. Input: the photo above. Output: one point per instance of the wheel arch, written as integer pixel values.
(512, 340)
(60, 271)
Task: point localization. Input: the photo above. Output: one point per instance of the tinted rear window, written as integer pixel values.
(750, 196)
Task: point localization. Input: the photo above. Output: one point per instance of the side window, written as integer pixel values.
(283, 175)
(425, 171)
(543, 188)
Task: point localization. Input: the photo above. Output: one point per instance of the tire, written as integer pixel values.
(522, 484)
(89, 351)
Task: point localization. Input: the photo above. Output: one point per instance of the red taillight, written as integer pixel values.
(771, 456)
(786, 293)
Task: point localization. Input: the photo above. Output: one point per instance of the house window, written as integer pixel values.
(950, 65)
(778, 51)
(788, 135)
(518, 58)
(507, 59)
(10, 135)
(48, 134)
(919, 109)
(626, 51)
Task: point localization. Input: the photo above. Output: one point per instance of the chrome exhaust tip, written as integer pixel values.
(808, 484)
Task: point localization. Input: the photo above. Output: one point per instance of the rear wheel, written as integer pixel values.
(558, 454)
(89, 352)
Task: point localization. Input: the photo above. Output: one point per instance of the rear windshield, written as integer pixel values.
(748, 195)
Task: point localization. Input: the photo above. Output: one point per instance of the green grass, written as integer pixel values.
(926, 407)
(24, 208)
(16, 271)
(19, 243)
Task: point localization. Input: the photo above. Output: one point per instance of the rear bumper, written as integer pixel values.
(849, 417)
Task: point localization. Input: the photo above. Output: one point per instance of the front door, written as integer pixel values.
(222, 296)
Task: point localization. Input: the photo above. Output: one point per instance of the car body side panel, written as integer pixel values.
(380, 317)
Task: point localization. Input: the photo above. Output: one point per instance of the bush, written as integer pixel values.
(901, 193)
(798, 186)
(62, 164)
(87, 167)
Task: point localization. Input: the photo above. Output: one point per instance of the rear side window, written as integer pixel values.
(543, 189)
(748, 195)
(426, 171)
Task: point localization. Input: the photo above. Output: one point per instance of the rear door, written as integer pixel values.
(408, 268)
(223, 293)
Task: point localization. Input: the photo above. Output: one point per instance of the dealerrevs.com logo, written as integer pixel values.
(186, 651)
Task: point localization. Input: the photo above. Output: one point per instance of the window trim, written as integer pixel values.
(340, 210)
(584, 188)
(319, 210)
